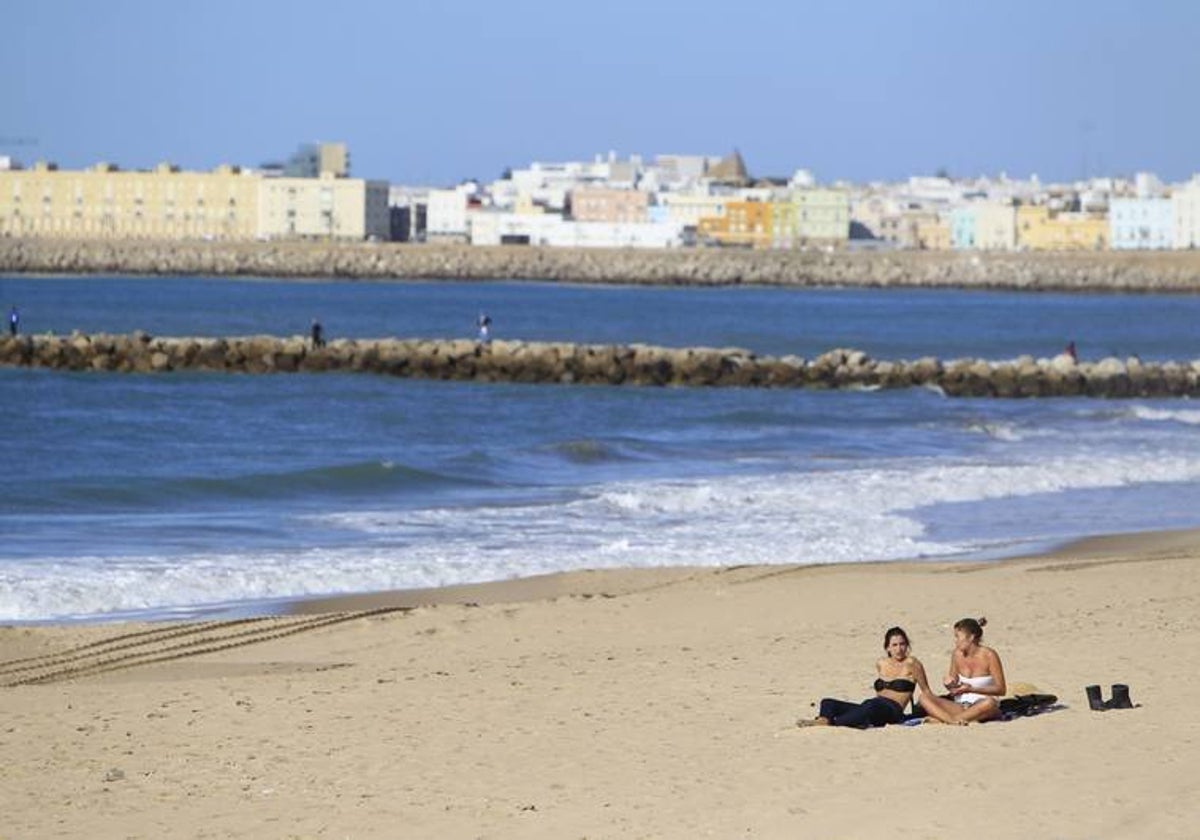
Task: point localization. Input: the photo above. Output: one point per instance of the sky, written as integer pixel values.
(432, 93)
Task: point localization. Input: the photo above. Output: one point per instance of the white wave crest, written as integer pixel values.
(1190, 416)
(835, 516)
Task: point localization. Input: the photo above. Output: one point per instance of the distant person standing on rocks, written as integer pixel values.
(484, 323)
(1070, 351)
(318, 334)
(14, 321)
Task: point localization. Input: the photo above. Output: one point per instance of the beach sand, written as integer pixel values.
(653, 703)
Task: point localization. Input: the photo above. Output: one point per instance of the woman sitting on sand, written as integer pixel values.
(975, 679)
(899, 676)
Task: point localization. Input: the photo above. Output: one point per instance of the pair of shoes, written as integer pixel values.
(1120, 698)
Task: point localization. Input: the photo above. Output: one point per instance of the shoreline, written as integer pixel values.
(664, 709)
(1082, 271)
(609, 583)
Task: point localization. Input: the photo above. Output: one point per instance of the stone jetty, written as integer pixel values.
(1147, 271)
(635, 364)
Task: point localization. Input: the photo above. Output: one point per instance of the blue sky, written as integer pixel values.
(434, 92)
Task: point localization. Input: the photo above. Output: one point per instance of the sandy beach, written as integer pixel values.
(620, 704)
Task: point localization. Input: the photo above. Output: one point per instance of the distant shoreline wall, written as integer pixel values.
(639, 365)
(1159, 271)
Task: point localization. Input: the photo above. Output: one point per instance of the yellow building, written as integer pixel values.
(322, 208)
(783, 224)
(104, 202)
(933, 233)
(1039, 229)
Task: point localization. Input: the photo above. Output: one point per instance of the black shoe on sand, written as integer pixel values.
(1095, 700)
(1120, 697)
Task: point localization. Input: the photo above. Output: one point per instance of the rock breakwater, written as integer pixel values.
(637, 364)
(1177, 271)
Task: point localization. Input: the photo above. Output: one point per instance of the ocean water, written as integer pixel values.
(206, 494)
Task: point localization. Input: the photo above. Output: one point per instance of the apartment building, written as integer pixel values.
(689, 208)
(323, 208)
(821, 216)
(596, 204)
(1185, 214)
(228, 203)
(1140, 223)
(962, 228)
(313, 160)
(446, 215)
(1041, 229)
(995, 225)
(747, 224)
(495, 227)
(105, 203)
(915, 229)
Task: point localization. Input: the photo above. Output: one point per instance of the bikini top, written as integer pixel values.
(900, 685)
(978, 682)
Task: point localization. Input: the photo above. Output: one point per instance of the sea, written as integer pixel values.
(188, 495)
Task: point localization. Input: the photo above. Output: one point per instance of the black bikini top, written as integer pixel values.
(902, 686)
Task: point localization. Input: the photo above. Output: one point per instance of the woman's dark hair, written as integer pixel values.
(894, 631)
(972, 627)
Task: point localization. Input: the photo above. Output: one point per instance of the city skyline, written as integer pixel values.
(425, 94)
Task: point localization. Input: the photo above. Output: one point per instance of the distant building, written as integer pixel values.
(315, 159)
(491, 227)
(821, 216)
(1140, 223)
(688, 208)
(407, 206)
(446, 215)
(675, 171)
(746, 224)
(962, 228)
(915, 229)
(1185, 214)
(995, 225)
(104, 202)
(595, 204)
(730, 170)
(1040, 229)
(323, 208)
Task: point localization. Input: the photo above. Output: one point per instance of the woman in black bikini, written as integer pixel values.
(899, 676)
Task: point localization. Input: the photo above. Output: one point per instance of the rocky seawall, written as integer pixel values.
(1173, 271)
(534, 362)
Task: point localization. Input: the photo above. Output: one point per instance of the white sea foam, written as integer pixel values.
(845, 515)
(1190, 416)
(997, 431)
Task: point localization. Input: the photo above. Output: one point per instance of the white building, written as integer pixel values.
(1185, 212)
(492, 227)
(1140, 223)
(446, 214)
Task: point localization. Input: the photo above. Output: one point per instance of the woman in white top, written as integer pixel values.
(975, 680)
